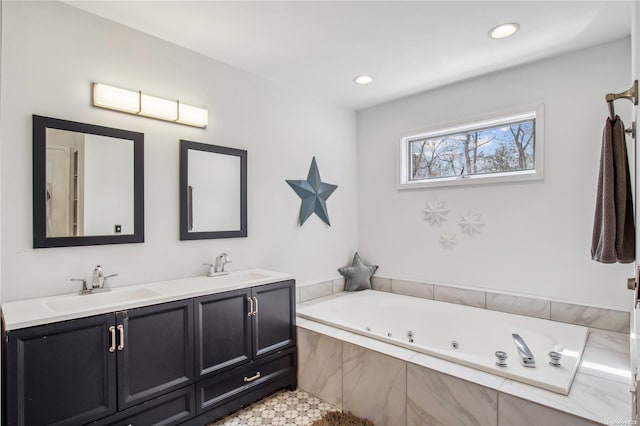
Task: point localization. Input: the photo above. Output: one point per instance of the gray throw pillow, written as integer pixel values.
(358, 275)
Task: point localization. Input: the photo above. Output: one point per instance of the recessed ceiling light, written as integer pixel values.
(503, 30)
(363, 79)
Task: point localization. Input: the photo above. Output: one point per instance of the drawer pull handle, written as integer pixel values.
(250, 299)
(112, 346)
(121, 330)
(252, 378)
(256, 311)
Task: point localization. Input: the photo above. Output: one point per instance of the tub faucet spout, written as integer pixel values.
(526, 357)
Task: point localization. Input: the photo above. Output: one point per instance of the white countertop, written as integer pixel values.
(44, 310)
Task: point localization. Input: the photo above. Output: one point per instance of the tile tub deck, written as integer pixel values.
(396, 386)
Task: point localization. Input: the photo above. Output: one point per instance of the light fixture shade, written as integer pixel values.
(164, 109)
(105, 96)
(111, 97)
(193, 116)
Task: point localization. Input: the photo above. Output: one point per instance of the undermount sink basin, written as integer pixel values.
(91, 301)
(239, 277)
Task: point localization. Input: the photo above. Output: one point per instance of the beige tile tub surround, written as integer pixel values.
(605, 319)
(528, 306)
(314, 291)
(438, 399)
(460, 296)
(308, 292)
(410, 288)
(516, 411)
(439, 392)
(610, 349)
(381, 284)
(324, 353)
(363, 371)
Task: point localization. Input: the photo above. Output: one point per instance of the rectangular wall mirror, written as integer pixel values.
(88, 184)
(213, 191)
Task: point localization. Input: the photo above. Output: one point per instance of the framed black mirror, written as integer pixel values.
(213, 191)
(88, 184)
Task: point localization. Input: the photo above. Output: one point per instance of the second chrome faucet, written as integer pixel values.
(217, 268)
(98, 282)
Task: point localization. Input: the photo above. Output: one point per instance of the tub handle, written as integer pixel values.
(554, 358)
(502, 358)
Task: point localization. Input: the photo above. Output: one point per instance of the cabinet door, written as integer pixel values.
(167, 410)
(223, 331)
(61, 374)
(274, 325)
(155, 352)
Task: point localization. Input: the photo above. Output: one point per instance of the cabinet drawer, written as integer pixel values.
(171, 409)
(216, 390)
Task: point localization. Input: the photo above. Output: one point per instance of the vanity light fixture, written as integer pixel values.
(503, 30)
(138, 103)
(363, 79)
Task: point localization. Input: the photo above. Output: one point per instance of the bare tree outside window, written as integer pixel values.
(505, 148)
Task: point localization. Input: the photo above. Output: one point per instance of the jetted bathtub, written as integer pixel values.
(458, 333)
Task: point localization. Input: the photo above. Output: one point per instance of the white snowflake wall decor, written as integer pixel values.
(471, 223)
(448, 239)
(435, 212)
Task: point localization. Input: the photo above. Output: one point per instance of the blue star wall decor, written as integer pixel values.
(313, 193)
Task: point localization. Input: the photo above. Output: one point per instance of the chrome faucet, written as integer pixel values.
(217, 268)
(98, 282)
(221, 260)
(98, 277)
(526, 357)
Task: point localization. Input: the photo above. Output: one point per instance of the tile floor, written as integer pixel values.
(284, 408)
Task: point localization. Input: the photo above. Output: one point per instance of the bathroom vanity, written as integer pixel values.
(185, 351)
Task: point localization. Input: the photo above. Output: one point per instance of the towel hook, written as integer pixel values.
(631, 94)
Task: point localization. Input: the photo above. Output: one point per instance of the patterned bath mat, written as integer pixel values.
(285, 408)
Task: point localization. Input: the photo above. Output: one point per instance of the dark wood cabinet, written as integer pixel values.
(157, 355)
(60, 374)
(223, 331)
(223, 387)
(157, 365)
(74, 372)
(241, 337)
(171, 409)
(235, 327)
(274, 322)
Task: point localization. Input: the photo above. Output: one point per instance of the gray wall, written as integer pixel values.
(537, 235)
(51, 54)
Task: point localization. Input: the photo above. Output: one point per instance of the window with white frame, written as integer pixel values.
(505, 148)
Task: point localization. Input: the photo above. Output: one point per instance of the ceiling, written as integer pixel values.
(317, 47)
